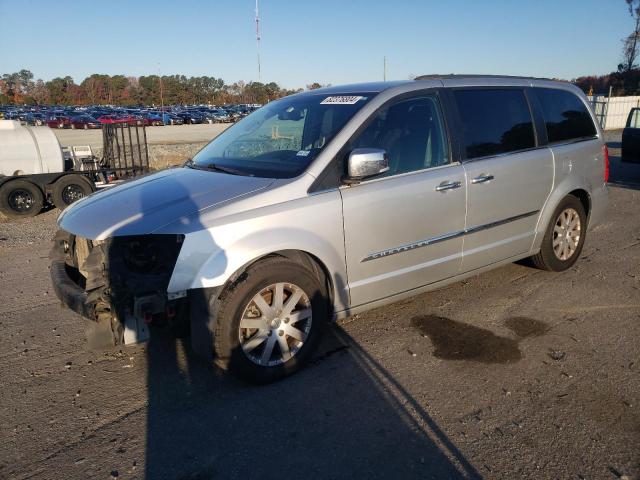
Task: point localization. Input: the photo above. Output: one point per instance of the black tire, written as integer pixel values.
(226, 311)
(20, 198)
(68, 189)
(546, 259)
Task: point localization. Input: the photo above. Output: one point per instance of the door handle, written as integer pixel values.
(444, 186)
(482, 179)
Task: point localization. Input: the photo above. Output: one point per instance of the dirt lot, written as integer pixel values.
(169, 134)
(514, 373)
(168, 145)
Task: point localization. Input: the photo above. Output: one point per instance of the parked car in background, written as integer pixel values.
(218, 116)
(153, 118)
(85, 122)
(631, 138)
(36, 119)
(59, 122)
(172, 119)
(335, 201)
(191, 117)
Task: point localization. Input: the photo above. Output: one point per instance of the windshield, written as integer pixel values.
(282, 138)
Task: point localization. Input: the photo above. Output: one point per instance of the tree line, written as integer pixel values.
(98, 89)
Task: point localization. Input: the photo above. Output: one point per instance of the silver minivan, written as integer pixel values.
(331, 202)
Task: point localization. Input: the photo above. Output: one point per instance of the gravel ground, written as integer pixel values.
(516, 373)
(28, 231)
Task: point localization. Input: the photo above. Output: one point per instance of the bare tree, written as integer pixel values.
(630, 44)
(39, 92)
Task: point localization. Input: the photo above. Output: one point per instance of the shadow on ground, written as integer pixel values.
(343, 416)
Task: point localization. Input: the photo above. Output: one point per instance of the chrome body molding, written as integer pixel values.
(442, 238)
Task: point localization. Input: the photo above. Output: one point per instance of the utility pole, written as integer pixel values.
(384, 68)
(258, 37)
(161, 95)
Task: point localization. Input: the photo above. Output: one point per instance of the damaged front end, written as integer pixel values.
(119, 284)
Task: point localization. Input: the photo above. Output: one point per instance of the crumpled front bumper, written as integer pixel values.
(120, 283)
(66, 289)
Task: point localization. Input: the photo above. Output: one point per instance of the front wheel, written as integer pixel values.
(268, 323)
(564, 238)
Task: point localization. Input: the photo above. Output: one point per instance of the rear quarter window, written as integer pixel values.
(494, 121)
(566, 117)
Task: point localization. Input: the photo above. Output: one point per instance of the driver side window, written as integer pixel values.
(411, 132)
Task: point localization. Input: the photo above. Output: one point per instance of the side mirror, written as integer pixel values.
(366, 162)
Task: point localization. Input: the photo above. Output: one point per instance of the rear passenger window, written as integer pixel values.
(565, 115)
(494, 121)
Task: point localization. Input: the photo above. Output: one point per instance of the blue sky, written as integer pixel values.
(328, 41)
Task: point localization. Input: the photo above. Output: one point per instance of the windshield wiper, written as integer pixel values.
(212, 166)
(229, 170)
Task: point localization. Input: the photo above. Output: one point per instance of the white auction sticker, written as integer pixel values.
(303, 153)
(341, 100)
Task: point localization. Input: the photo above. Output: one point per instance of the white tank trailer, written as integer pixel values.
(32, 171)
(25, 150)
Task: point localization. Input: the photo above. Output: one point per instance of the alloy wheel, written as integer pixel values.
(275, 324)
(566, 234)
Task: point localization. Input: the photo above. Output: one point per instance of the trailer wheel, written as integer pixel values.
(69, 189)
(20, 198)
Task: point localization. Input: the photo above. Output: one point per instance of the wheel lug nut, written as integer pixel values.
(286, 320)
(281, 332)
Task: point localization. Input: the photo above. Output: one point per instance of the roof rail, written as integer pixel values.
(436, 76)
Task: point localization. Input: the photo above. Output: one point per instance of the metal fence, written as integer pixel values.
(125, 148)
(612, 112)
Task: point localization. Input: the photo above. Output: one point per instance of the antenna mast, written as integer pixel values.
(258, 37)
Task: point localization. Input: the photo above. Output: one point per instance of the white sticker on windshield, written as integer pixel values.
(303, 153)
(341, 100)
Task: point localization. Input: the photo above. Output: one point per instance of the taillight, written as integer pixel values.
(605, 152)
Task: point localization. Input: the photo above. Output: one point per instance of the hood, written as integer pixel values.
(144, 205)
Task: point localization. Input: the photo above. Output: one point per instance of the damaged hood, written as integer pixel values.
(142, 206)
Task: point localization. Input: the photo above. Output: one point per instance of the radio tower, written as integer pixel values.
(258, 37)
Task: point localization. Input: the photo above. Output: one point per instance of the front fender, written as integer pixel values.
(210, 257)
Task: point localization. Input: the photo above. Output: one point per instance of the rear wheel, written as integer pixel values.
(268, 323)
(20, 198)
(564, 238)
(69, 189)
